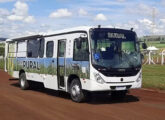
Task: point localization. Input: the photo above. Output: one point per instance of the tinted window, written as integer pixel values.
(41, 48)
(49, 49)
(61, 49)
(32, 48)
(82, 53)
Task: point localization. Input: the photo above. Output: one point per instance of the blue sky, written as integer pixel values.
(24, 17)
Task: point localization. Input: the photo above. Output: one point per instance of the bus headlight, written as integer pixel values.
(139, 78)
(98, 78)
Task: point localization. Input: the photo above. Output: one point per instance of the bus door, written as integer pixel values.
(50, 63)
(61, 64)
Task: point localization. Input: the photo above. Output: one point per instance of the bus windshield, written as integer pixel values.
(114, 48)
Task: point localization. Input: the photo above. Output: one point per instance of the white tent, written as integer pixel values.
(152, 48)
(151, 51)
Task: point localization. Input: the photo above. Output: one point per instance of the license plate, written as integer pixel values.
(120, 87)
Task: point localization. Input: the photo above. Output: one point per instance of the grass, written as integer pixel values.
(154, 76)
(157, 44)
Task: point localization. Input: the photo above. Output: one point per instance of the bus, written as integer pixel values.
(78, 60)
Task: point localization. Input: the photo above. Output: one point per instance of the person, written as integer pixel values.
(111, 51)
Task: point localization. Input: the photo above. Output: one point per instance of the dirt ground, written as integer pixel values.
(44, 104)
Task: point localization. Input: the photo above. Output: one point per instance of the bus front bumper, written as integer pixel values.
(92, 85)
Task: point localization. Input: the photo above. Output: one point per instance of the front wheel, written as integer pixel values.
(76, 91)
(24, 84)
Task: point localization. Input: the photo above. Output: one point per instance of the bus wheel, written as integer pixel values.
(76, 92)
(23, 82)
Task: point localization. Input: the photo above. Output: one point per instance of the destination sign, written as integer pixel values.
(116, 35)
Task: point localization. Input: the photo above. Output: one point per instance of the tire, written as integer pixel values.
(118, 94)
(76, 92)
(24, 84)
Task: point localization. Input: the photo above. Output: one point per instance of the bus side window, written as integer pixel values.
(21, 49)
(32, 48)
(62, 49)
(49, 49)
(41, 48)
(81, 54)
(12, 49)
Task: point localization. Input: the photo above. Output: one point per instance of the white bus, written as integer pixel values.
(78, 61)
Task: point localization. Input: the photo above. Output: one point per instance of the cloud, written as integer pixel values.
(146, 22)
(141, 27)
(29, 19)
(124, 14)
(121, 0)
(100, 17)
(142, 9)
(60, 13)
(15, 18)
(20, 13)
(21, 8)
(3, 14)
(162, 20)
(3, 1)
(82, 12)
(147, 26)
(163, 2)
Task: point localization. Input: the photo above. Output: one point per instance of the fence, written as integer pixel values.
(154, 56)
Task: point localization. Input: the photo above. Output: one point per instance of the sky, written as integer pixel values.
(26, 17)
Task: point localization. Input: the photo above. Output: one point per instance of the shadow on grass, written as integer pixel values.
(94, 98)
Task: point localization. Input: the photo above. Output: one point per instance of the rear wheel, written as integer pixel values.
(76, 92)
(24, 84)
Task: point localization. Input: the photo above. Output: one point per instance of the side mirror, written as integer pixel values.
(144, 45)
(79, 41)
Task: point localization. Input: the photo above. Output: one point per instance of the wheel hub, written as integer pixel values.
(75, 90)
(22, 82)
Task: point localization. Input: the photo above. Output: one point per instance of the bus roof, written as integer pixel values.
(51, 33)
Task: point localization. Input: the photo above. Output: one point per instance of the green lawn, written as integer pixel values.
(154, 76)
(157, 44)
